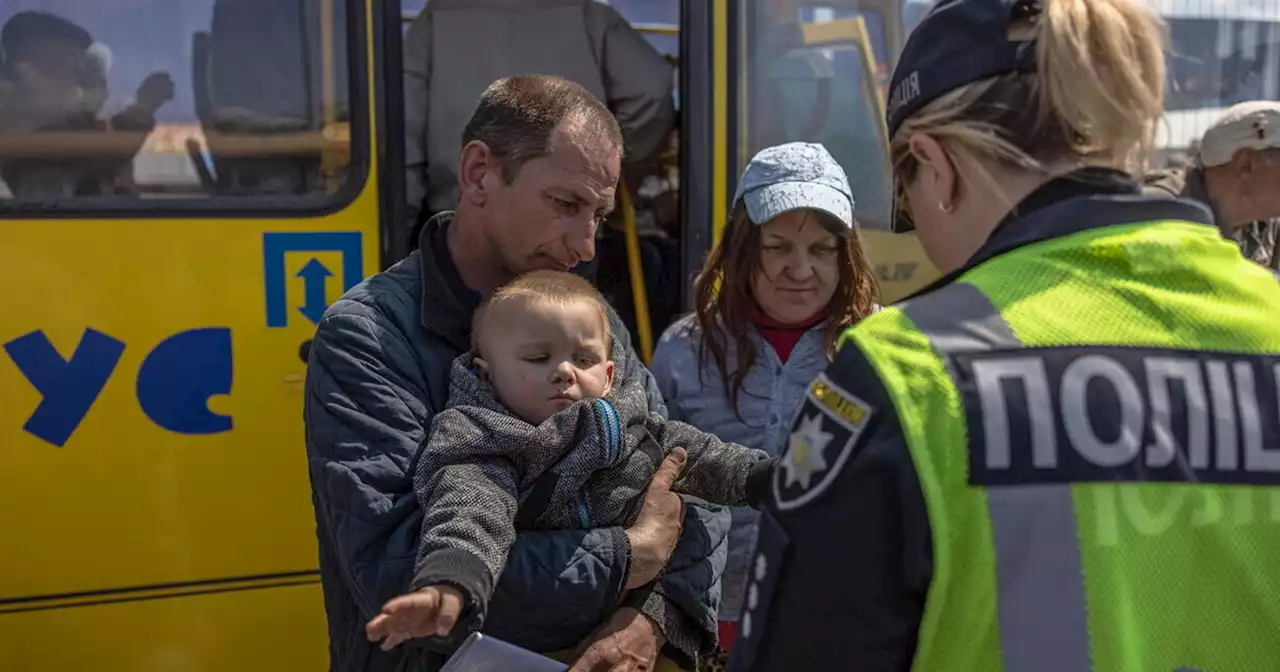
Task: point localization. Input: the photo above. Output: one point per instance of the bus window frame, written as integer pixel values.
(699, 20)
(388, 57)
(313, 205)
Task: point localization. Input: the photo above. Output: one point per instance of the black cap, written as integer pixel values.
(28, 26)
(958, 42)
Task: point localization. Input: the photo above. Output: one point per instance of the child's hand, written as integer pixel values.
(430, 611)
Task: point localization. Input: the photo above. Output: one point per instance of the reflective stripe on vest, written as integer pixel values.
(1041, 601)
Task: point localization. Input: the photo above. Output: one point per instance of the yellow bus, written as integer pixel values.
(185, 185)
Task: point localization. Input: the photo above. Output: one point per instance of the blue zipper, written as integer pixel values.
(584, 513)
(612, 429)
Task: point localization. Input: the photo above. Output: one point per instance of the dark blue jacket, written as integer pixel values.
(378, 373)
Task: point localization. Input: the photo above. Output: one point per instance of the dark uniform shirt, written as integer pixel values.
(842, 570)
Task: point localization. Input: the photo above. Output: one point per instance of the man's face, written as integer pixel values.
(546, 219)
(1264, 182)
(50, 62)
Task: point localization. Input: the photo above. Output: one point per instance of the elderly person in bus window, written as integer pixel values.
(53, 77)
(788, 276)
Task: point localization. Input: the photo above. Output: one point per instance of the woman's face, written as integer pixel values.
(799, 267)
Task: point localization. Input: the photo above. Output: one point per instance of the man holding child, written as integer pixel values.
(538, 170)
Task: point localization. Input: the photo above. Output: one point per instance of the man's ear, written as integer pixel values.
(474, 167)
(482, 368)
(608, 378)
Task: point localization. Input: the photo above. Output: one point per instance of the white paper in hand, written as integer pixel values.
(480, 653)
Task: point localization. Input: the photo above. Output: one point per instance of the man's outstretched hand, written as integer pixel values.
(431, 611)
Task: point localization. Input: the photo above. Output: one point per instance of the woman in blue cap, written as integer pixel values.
(789, 275)
(1064, 455)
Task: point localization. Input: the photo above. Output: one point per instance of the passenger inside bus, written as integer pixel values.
(181, 98)
(53, 77)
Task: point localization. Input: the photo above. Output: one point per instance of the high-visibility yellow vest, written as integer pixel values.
(1095, 422)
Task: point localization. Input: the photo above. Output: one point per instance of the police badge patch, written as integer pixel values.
(825, 430)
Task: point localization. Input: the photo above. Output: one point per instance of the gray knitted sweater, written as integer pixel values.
(484, 473)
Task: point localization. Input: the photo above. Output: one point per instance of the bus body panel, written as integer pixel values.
(240, 629)
(154, 487)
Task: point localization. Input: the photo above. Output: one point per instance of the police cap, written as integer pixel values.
(958, 42)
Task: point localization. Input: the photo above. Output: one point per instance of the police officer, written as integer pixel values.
(1064, 455)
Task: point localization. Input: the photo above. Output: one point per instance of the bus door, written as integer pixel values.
(185, 185)
(647, 252)
(817, 77)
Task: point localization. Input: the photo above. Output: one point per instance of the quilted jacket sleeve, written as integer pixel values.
(364, 421)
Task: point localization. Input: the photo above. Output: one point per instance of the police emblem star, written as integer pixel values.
(826, 429)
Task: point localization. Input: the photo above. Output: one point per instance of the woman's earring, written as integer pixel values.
(946, 208)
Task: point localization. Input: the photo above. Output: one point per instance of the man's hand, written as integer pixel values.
(627, 642)
(657, 529)
(431, 611)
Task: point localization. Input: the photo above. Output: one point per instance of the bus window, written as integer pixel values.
(817, 82)
(173, 99)
(817, 72)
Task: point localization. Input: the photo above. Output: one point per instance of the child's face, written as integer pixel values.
(541, 356)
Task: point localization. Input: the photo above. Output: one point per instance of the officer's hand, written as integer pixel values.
(627, 642)
(431, 611)
(657, 529)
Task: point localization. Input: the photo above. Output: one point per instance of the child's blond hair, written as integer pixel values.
(551, 286)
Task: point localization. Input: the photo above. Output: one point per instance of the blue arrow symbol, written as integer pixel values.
(313, 276)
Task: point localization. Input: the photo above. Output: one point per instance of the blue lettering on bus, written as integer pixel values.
(179, 377)
(68, 386)
(174, 383)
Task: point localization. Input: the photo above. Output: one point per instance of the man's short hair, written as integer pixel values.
(552, 286)
(517, 115)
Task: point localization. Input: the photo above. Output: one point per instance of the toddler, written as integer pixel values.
(538, 434)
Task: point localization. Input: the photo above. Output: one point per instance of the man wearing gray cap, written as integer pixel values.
(1237, 175)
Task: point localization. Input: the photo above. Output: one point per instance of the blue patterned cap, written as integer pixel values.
(793, 176)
